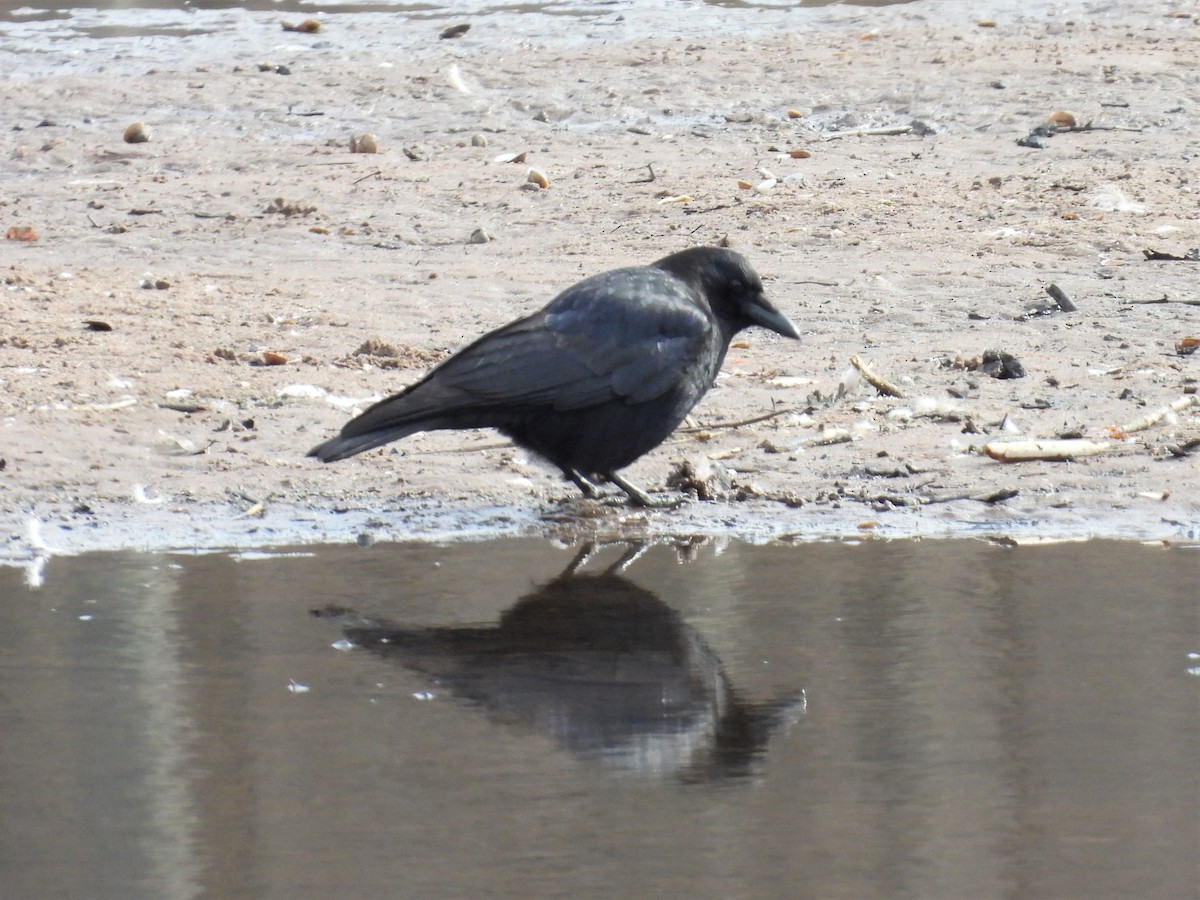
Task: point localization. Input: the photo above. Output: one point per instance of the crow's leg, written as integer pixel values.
(589, 490)
(638, 497)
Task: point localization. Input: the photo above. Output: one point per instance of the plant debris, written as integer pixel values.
(281, 207)
(995, 364)
(1193, 255)
(705, 480)
(308, 26)
(878, 382)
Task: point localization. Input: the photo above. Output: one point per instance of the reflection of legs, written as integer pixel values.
(633, 550)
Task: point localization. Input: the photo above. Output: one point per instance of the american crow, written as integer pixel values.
(599, 377)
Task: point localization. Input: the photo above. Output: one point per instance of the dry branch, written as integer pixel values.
(878, 382)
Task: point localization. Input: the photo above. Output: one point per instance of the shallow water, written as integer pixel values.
(930, 719)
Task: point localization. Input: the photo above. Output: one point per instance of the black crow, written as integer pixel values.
(599, 377)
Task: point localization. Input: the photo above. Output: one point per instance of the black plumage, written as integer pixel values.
(597, 378)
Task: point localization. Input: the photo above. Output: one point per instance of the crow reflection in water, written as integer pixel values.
(606, 668)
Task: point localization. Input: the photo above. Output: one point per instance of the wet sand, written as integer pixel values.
(245, 233)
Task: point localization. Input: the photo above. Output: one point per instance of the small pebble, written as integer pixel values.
(137, 133)
(308, 26)
(1060, 297)
(364, 143)
(1061, 119)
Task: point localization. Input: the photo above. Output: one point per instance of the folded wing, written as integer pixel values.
(623, 336)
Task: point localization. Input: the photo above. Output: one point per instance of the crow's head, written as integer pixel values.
(731, 286)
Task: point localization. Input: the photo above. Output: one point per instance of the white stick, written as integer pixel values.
(1152, 419)
(1052, 450)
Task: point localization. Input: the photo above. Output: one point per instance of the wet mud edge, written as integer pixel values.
(110, 526)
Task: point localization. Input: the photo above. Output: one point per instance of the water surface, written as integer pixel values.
(931, 719)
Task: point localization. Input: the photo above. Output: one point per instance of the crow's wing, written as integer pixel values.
(630, 334)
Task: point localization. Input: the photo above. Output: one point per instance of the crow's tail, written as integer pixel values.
(344, 446)
(398, 416)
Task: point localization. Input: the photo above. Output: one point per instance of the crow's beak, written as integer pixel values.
(762, 312)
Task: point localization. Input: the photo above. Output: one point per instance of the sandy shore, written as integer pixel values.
(239, 259)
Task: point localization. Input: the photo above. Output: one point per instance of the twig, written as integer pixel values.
(869, 132)
(876, 381)
(183, 407)
(649, 180)
(254, 512)
(691, 211)
(1159, 256)
(1152, 419)
(106, 407)
(374, 174)
(739, 423)
(1164, 299)
(1090, 127)
(991, 497)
